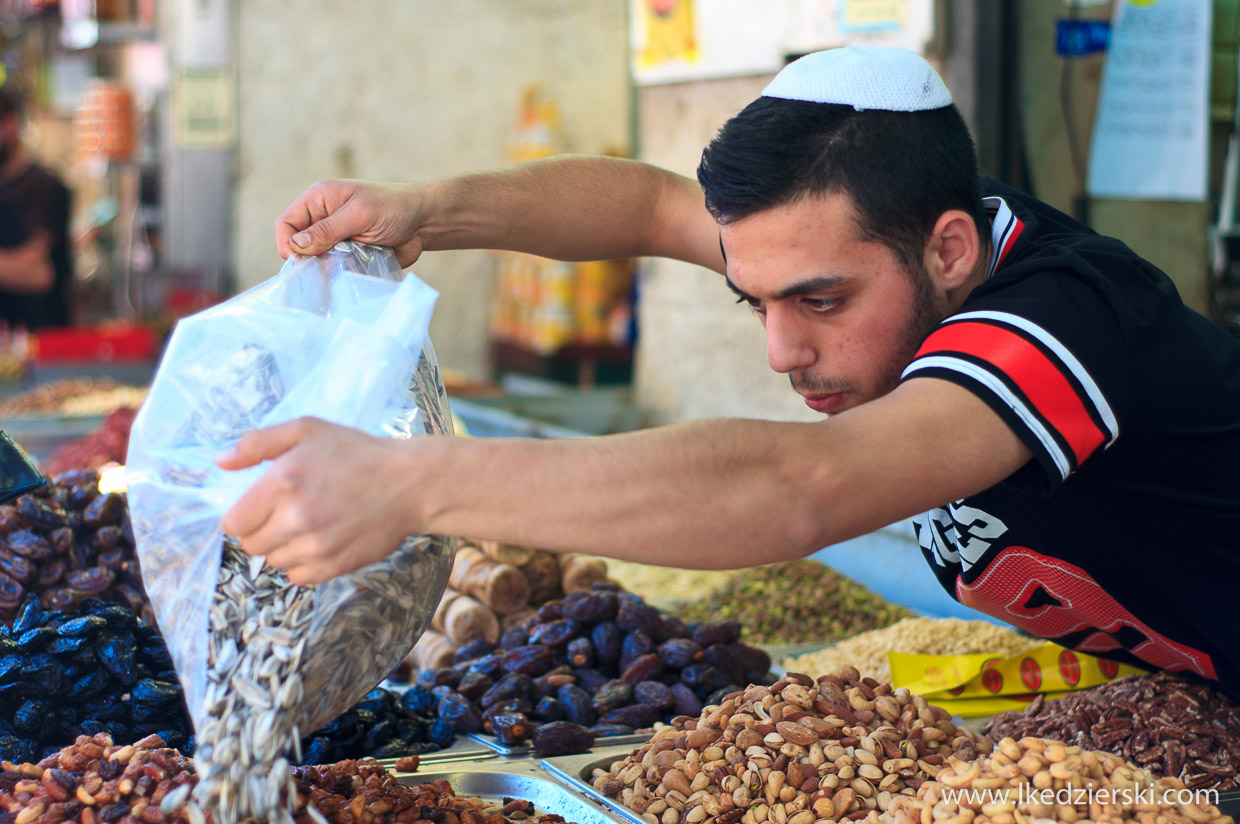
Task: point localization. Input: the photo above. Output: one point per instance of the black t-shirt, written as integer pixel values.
(1121, 538)
(36, 201)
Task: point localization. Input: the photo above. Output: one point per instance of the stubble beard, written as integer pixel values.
(928, 309)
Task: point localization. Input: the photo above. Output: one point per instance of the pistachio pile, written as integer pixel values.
(793, 603)
(792, 753)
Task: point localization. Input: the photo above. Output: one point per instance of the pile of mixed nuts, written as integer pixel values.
(792, 753)
(1163, 722)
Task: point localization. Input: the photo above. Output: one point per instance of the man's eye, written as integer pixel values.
(754, 303)
(819, 304)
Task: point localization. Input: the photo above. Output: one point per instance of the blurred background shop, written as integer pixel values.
(182, 128)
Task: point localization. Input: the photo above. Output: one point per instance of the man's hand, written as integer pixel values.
(383, 214)
(331, 502)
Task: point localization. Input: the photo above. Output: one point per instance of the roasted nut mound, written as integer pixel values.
(792, 753)
(1165, 723)
(97, 781)
(795, 602)
(363, 792)
(1041, 781)
(74, 396)
(867, 651)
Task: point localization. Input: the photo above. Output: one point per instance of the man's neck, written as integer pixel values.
(15, 165)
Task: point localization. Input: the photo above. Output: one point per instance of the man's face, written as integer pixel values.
(842, 316)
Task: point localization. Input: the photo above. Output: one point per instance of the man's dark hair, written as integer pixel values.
(902, 170)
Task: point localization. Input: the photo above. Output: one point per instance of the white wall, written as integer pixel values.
(409, 90)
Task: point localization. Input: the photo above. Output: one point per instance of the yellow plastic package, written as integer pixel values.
(984, 684)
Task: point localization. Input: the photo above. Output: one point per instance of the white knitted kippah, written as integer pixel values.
(864, 77)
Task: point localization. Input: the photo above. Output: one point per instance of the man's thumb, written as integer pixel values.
(316, 238)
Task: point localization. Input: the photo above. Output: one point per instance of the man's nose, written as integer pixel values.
(788, 348)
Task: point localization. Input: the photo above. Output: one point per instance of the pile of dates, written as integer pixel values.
(98, 670)
(66, 542)
(103, 671)
(384, 724)
(595, 663)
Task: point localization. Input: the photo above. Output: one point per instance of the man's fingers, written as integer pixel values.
(265, 444)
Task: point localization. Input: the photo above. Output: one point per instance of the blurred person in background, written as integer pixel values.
(36, 276)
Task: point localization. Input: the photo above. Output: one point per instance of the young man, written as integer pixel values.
(36, 275)
(1065, 431)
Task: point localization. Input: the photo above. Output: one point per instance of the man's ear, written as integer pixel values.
(953, 249)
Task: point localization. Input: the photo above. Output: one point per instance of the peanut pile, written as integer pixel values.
(1164, 722)
(1036, 780)
(792, 753)
(867, 651)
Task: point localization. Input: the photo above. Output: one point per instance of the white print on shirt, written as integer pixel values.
(939, 532)
(1047, 596)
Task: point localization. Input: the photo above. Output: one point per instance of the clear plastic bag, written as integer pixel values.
(341, 337)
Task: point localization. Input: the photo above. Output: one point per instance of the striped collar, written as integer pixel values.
(1005, 228)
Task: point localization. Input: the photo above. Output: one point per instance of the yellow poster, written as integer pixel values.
(669, 35)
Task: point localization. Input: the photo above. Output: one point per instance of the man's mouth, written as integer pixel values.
(824, 403)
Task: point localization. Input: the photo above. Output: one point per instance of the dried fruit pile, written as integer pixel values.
(1035, 780)
(1162, 722)
(97, 781)
(493, 587)
(795, 602)
(109, 443)
(867, 651)
(98, 670)
(67, 542)
(603, 660)
(792, 753)
(353, 792)
(383, 724)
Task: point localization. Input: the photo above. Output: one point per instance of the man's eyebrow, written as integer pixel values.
(820, 283)
(734, 288)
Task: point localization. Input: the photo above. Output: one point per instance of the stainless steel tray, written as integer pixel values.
(575, 770)
(493, 744)
(462, 749)
(493, 780)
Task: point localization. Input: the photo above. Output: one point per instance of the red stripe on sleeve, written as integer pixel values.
(1031, 370)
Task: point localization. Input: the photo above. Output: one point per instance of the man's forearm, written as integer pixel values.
(575, 208)
(27, 268)
(700, 495)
